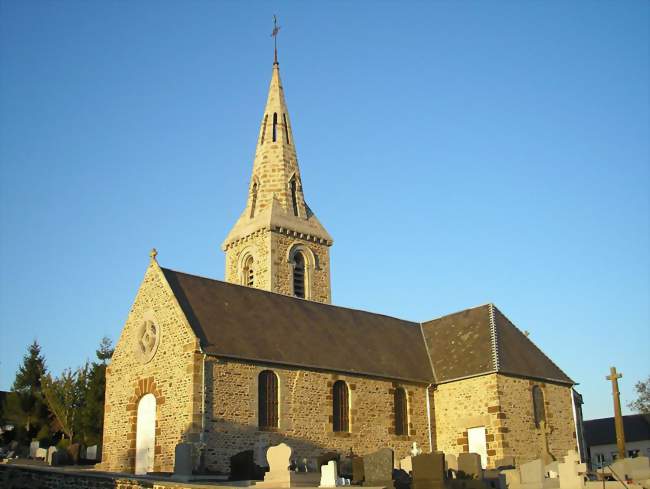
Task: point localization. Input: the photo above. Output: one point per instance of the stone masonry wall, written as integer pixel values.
(305, 413)
(258, 245)
(467, 404)
(524, 440)
(504, 405)
(172, 375)
(318, 273)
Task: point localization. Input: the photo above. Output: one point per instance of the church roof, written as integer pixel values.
(483, 340)
(246, 323)
(603, 431)
(242, 322)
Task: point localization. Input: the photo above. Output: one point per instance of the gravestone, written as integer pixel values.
(261, 446)
(345, 466)
(33, 446)
(243, 467)
(406, 464)
(41, 453)
(60, 457)
(532, 474)
(637, 468)
(50, 454)
(357, 470)
(378, 468)
(91, 453)
(429, 471)
(470, 465)
(451, 462)
(328, 474)
(279, 475)
(571, 471)
(183, 461)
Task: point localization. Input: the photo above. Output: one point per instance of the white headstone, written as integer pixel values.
(33, 446)
(91, 452)
(571, 471)
(279, 458)
(415, 450)
(41, 453)
(451, 462)
(328, 474)
(532, 472)
(50, 453)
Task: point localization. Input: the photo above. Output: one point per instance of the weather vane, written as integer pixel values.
(274, 35)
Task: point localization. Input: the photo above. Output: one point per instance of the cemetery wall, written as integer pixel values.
(468, 404)
(15, 477)
(305, 413)
(173, 376)
(318, 273)
(256, 245)
(524, 440)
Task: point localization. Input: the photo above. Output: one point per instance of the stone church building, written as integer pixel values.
(263, 357)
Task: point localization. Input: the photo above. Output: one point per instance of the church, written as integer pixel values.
(263, 357)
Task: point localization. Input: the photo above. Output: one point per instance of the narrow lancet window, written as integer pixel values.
(401, 412)
(266, 117)
(286, 128)
(539, 412)
(299, 275)
(294, 195)
(267, 407)
(248, 273)
(253, 199)
(341, 407)
(275, 126)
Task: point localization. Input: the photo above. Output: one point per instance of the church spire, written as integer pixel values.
(277, 219)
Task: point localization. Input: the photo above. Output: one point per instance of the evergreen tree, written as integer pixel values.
(65, 397)
(92, 414)
(29, 410)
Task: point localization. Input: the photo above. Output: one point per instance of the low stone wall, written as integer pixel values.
(27, 477)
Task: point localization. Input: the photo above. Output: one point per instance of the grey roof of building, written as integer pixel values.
(247, 323)
(251, 324)
(483, 340)
(603, 432)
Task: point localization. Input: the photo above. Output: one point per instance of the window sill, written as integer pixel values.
(342, 434)
(266, 429)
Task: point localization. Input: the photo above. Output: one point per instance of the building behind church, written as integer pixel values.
(263, 357)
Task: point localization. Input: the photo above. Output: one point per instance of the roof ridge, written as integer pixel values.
(534, 345)
(494, 338)
(455, 312)
(263, 291)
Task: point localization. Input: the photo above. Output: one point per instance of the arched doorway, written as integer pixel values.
(145, 439)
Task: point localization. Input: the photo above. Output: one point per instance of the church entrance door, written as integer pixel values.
(478, 443)
(145, 435)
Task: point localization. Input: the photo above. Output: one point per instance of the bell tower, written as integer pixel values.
(277, 243)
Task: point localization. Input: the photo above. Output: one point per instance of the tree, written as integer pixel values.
(28, 409)
(92, 414)
(642, 403)
(65, 397)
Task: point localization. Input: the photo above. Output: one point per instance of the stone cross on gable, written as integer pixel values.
(618, 417)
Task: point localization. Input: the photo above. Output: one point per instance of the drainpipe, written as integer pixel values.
(202, 443)
(429, 417)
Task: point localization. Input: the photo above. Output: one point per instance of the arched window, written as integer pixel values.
(275, 126)
(299, 275)
(248, 272)
(539, 412)
(341, 407)
(267, 407)
(401, 412)
(253, 198)
(266, 118)
(294, 194)
(286, 128)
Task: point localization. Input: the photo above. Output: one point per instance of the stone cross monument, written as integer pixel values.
(618, 418)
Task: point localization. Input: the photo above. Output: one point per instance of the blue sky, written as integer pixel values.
(458, 152)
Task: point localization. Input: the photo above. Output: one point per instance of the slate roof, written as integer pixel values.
(603, 432)
(234, 321)
(482, 340)
(242, 322)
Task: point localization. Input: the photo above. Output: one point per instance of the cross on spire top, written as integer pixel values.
(614, 375)
(274, 35)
